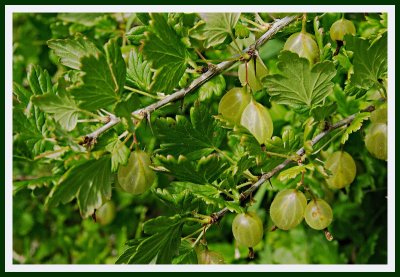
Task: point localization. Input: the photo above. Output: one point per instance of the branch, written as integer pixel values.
(213, 71)
(301, 152)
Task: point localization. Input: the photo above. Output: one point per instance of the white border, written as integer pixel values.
(9, 9)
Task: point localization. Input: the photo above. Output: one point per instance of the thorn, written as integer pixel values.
(270, 183)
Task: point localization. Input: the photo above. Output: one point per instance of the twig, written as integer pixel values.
(301, 152)
(90, 138)
(213, 71)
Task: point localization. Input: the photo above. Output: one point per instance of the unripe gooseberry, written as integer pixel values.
(343, 169)
(318, 214)
(376, 140)
(254, 74)
(209, 257)
(247, 228)
(258, 121)
(341, 28)
(287, 208)
(136, 176)
(379, 115)
(106, 213)
(304, 45)
(233, 103)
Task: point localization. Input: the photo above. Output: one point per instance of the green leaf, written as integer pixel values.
(204, 171)
(136, 34)
(89, 182)
(162, 245)
(166, 52)
(97, 88)
(119, 153)
(211, 89)
(299, 85)
(323, 111)
(61, 105)
(194, 139)
(294, 171)
(23, 95)
(187, 254)
(125, 107)
(209, 195)
(354, 126)
(129, 251)
(39, 80)
(103, 76)
(33, 183)
(369, 61)
(218, 26)
(116, 64)
(138, 73)
(87, 19)
(31, 129)
(177, 200)
(71, 51)
(288, 144)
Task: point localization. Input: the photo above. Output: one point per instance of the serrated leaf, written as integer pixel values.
(89, 182)
(103, 77)
(97, 89)
(168, 77)
(354, 126)
(187, 254)
(136, 34)
(166, 52)
(210, 195)
(178, 200)
(64, 109)
(194, 139)
(116, 64)
(299, 85)
(119, 154)
(23, 95)
(31, 183)
(218, 27)
(128, 251)
(214, 87)
(294, 171)
(163, 244)
(138, 73)
(31, 129)
(321, 112)
(71, 51)
(125, 107)
(39, 80)
(288, 144)
(369, 61)
(86, 19)
(204, 171)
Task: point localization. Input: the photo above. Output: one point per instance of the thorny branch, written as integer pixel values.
(215, 217)
(213, 71)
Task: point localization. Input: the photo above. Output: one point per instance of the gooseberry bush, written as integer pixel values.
(190, 138)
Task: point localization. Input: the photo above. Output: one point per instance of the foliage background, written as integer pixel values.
(60, 235)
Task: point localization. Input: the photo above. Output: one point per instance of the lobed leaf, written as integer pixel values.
(89, 182)
(299, 85)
